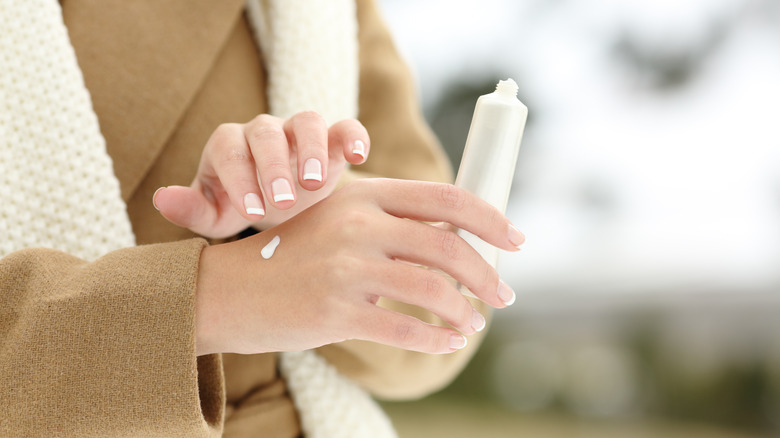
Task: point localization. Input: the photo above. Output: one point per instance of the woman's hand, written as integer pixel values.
(336, 259)
(253, 173)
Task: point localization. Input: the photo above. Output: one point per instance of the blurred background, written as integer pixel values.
(648, 185)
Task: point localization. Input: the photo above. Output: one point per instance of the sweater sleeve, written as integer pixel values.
(105, 348)
(402, 146)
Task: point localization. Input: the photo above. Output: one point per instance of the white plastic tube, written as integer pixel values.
(489, 157)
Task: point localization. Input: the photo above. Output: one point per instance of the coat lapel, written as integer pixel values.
(143, 62)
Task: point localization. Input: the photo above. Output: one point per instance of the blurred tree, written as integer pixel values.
(450, 116)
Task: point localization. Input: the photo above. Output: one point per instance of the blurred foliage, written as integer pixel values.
(732, 391)
(664, 69)
(461, 418)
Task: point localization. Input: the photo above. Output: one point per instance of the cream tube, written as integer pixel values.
(489, 157)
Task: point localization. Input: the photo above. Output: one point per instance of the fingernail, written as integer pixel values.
(154, 198)
(312, 170)
(506, 294)
(457, 342)
(359, 148)
(253, 205)
(478, 321)
(282, 190)
(515, 236)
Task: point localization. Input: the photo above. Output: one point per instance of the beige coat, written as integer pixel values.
(107, 348)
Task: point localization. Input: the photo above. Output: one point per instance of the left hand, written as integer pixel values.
(296, 161)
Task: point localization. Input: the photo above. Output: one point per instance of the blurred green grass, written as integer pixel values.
(445, 416)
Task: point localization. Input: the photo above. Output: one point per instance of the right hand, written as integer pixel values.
(335, 261)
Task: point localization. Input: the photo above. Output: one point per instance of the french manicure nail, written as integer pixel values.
(253, 205)
(478, 321)
(515, 236)
(457, 342)
(154, 198)
(312, 170)
(282, 190)
(359, 148)
(506, 294)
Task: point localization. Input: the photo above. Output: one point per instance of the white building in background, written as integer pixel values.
(624, 185)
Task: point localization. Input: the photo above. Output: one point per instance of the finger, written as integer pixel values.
(445, 250)
(398, 330)
(353, 139)
(185, 207)
(308, 134)
(429, 290)
(436, 202)
(234, 171)
(271, 153)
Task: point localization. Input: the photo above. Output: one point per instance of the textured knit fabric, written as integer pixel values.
(310, 49)
(57, 186)
(331, 406)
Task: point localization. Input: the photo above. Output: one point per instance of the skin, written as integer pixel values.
(339, 252)
(273, 148)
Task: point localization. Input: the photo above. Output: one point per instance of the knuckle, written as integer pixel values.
(339, 270)
(450, 245)
(489, 281)
(496, 219)
(232, 153)
(406, 334)
(263, 120)
(309, 116)
(224, 133)
(465, 313)
(226, 145)
(356, 218)
(451, 197)
(225, 130)
(275, 166)
(354, 223)
(266, 133)
(433, 288)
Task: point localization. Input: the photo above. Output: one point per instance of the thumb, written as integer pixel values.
(186, 207)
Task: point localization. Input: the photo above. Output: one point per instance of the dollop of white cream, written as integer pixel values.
(269, 249)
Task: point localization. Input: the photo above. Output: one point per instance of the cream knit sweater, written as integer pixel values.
(58, 190)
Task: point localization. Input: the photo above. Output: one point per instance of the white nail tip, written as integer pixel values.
(253, 205)
(458, 342)
(360, 148)
(284, 197)
(312, 170)
(511, 300)
(282, 191)
(481, 325)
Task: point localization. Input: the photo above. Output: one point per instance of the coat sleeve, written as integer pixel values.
(402, 146)
(105, 348)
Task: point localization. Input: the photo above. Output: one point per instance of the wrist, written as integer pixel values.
(207, 307)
